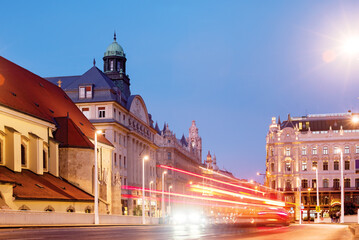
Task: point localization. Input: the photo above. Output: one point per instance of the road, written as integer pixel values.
(293, 232)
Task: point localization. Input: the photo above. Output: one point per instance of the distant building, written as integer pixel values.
(297, 145)
(46, 146)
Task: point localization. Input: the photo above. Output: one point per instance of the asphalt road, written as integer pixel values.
(293, 232)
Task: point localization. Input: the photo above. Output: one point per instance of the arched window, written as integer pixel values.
(24, 208)
(88, 209)
(70, 209)
(49, 209)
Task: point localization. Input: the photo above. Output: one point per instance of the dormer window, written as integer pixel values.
(101, 112)
(85, 91)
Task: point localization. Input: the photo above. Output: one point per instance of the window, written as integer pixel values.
(304, 150)
(336, 150)
(325, 150)
(288, 185)
(124, 141)
(114, 136)
(111, 65)
(346, 149)
(101, 112)
(272, 167)
(336, 165)
(118, 66)
(336, 183)
(314, 183)
(314, 164)
(85, 92)
(273, 184)
(287, 151)
(115, 158)
(287, 166)
(304, 166)
(347, 165)
(44, 159)
(356, 149)
(315, 151)
(347, 183)
(23, 155)
(86, 112)
(357, 182)
(169, 156)
(271, 151)
(124, 162)
(304, 183)
(356, 166)
(124, 181)
(325, 183)
(325, 165)
(120, 160)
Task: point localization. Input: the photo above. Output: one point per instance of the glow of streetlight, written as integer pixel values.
(98, 131)
(355, 119)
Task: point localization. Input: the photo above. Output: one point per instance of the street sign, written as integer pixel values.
(317, 209)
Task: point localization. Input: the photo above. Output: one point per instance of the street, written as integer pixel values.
(293, 232)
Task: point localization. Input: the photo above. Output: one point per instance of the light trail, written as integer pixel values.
(208, 178)
(202, 198)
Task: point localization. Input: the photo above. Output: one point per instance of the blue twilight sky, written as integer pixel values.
(229, 65)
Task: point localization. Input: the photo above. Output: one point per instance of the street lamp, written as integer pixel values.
(143, 188)
(309, 202)
(169, 200)
(317, 186)
(151, 198)
(97, 220)
(342, 187)
(163, 194)
(300, 200)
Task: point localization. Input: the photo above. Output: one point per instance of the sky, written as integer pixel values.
(229, 65)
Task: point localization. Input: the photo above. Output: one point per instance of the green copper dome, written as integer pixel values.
(114, 49)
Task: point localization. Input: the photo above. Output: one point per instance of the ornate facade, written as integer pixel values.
(298, 145)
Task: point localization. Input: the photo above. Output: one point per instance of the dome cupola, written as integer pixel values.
(114, 49)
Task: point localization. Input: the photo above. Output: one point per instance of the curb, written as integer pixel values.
(75, 225)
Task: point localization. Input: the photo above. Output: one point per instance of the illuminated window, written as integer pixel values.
(314, 164)
(304, 150)
(287, 151)
(325, 150)
(314, 183)
(356, 149)
(336, 150)
(288, 184)
(315, 151)
(111, 65)
(346, 149)
(304, 166)
(347, 165)
(273, 184)
(325, 166)
(101, 112)
(336, 165)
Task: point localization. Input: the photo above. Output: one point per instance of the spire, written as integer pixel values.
(94, 61)
(157, 128)
(289, 118)
(114, 36)
(279, 122)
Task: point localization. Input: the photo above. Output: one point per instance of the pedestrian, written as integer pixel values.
(337, 214)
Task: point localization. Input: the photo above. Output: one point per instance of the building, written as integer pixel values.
(297, 146)
(45, 141)
(105, 99)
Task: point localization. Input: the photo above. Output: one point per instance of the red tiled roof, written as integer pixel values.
(28, 185)
(26, 92)
(70, 135)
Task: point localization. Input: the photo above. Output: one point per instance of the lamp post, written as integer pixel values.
(317, 186)
(97, 220)
(309, 202)
(169, 200)
(143, 188)
(342, 188)
(163, 194)
(300, 199)
(151, 198)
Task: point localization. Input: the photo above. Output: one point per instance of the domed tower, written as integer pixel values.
(209, 161)
(114, 66)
